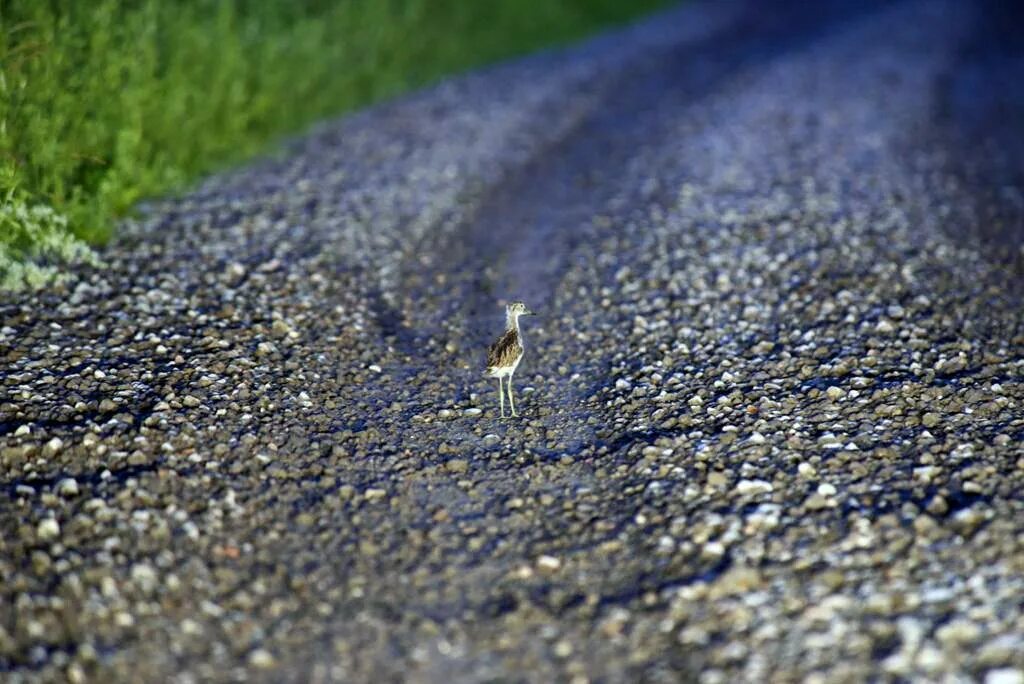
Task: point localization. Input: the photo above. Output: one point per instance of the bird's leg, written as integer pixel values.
(511, 403)
(501, 397)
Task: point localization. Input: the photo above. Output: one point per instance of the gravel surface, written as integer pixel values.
(773, 411)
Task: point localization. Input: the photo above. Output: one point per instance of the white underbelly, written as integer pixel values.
(505, 371)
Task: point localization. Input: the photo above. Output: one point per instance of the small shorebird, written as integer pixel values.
(505, 354)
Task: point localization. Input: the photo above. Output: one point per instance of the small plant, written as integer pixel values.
(34, 243)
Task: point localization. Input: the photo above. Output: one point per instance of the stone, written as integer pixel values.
(548, 564)
(457, 465)
(48, 529)
(68, 487)
(1005, 675)
(739, 579)
(826, 489)
(145, 577)
(747, 487)
(375, 494)
(262, 659)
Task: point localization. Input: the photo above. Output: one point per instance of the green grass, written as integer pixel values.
(106, 102)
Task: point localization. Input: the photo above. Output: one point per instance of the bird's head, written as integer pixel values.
(513, 311)
(517, 309)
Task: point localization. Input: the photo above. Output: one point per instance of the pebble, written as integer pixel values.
(457, 465)
(737, 580)
(817, 502)
(48, 529)
(374, 494)
(548, 563)
(835, 393)
(714, 549)
(717, 478)
(959, 632)
(1004, 675)
(145, 577)
(68, 487)
(262, 659)
(753, 487)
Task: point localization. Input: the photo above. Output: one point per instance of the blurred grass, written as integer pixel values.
(105, 102)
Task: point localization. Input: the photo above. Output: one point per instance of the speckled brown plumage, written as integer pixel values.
(505, 352)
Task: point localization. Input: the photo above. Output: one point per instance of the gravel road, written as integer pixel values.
(773, 409)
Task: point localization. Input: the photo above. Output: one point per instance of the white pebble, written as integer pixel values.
(68, 487)
(1005, 675)
(144, 577)
(753, 487)
(48, 529)
(373, 494)
(261, 658)
(714, 549)
(549, 563)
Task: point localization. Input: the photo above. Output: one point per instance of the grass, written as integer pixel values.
(106, 102)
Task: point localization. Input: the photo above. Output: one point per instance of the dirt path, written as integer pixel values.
(772, 414)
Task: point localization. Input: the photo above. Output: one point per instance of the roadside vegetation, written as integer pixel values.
(106, 102)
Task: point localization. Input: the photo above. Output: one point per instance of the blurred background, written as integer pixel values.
(105, 102)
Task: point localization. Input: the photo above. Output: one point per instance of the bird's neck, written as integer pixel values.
(512, 322)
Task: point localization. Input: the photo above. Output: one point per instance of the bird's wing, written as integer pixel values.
(505, 351)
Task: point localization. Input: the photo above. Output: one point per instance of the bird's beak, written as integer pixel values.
(530, 313)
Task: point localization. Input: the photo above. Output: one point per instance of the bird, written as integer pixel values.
(505, 354)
